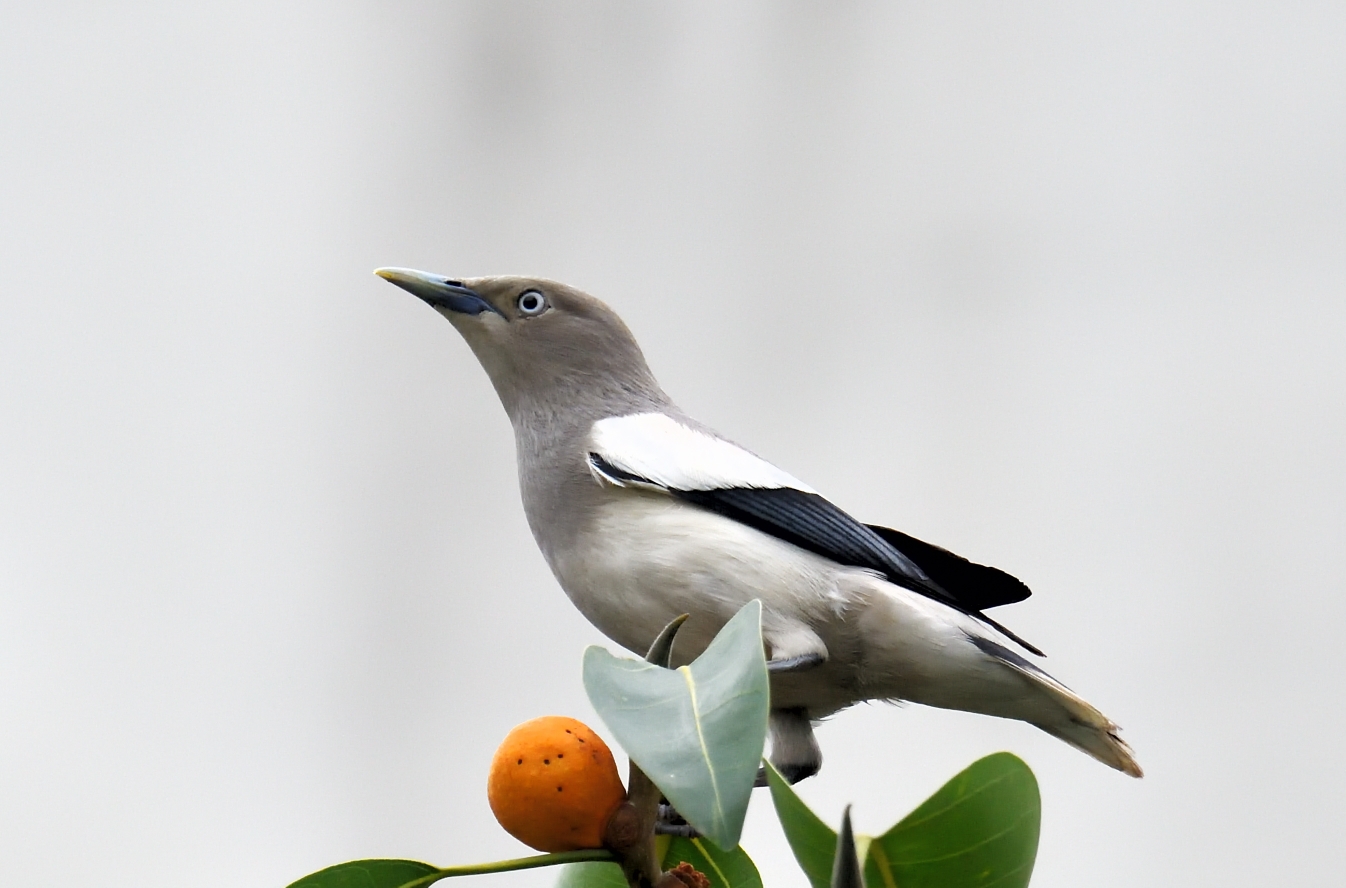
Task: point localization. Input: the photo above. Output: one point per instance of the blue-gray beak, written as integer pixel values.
(437, 290)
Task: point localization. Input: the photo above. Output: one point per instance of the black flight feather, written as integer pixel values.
(813, 523)
(976, 585)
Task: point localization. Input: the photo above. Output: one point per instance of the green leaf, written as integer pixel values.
(591, 875)
(846, 863)
(661, 651)
(697, 731)
(725, 869)
(813, 842)
(413, 874)
(980, 829)
(367, 874)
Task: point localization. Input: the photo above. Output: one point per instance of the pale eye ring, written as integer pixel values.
(531, 303)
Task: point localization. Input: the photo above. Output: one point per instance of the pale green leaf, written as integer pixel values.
(696, 731)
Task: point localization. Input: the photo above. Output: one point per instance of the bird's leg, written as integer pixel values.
(794, 749)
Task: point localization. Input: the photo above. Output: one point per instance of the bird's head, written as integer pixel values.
(545, 346)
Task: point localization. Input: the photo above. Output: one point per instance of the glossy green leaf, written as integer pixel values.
(368, 874)
(696, 731)
(725, 869)
(813, 842)
(414, 874)
(980, 829)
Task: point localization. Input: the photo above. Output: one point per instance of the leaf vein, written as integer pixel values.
(907, 824)
(724, 879)
(1027, 864)
(968, 848)
(701, 738)
(876, 851)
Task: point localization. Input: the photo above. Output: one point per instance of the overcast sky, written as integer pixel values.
(1059, 286)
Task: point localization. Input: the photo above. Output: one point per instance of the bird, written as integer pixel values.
(644, 514)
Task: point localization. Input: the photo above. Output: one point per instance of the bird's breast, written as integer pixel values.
(642, 558)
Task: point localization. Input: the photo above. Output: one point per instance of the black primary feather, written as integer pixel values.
(976, 585)
(813, 523)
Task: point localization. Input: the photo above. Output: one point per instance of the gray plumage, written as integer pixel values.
(643, 514)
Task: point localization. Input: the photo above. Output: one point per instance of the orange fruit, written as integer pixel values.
(553, 784)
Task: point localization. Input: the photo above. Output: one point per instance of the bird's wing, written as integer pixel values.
(976, 585)
(653, 450)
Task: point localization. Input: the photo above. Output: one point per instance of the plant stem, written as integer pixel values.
(518, 863)
(639, 863)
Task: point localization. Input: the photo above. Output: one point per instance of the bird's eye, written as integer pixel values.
(532, 303)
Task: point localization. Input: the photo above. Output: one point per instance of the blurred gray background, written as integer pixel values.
(1059, 286)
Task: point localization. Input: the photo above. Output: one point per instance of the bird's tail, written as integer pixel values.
(1080, 724)
(1099, 740)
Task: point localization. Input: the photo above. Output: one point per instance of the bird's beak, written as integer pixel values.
(437, 290)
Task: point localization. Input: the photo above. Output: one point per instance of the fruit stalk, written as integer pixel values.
(630, 833)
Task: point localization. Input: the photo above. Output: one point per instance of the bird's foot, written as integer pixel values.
(669, 822)
(801, 663)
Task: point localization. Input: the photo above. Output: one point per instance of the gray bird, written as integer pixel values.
(643, 514)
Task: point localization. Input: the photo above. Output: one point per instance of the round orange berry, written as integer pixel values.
(553, 784)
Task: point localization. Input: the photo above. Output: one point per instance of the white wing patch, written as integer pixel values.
(672, 456)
